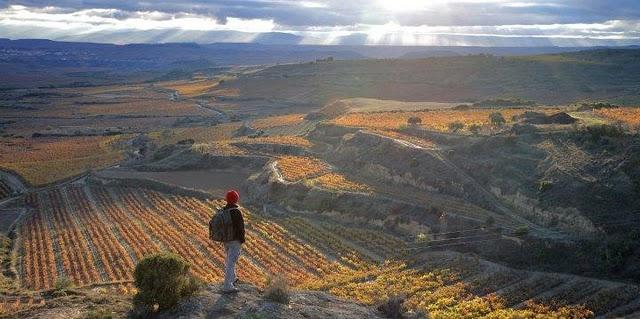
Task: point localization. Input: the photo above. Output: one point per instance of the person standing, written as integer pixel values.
(227, 226)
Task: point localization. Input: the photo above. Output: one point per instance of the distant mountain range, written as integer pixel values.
(33, 63)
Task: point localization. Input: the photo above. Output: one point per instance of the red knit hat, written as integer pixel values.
(232, 197)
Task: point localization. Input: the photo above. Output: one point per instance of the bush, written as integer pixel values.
(277, 290)
(604, 130)
(544, 185)
(422, 238)
(392, 307)
(63, 283)
(414, 120)
(163, 280)
(496, 119)
(455, 126)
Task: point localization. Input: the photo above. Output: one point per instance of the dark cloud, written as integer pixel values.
(454, 22)
(334, 13)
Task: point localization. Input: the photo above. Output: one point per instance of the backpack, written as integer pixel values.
(221, 226)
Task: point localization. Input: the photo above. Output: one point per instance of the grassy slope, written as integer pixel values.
(561, 78)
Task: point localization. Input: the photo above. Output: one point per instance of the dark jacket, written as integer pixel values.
(238, 222)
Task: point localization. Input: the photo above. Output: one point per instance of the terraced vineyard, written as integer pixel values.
(146, 107)
(278, 121)
(338, 182)
(316, 172)
(627, 115)
(454, 286)
(220, 139)
(284, 140)
(202, 134)
(437, 120)
(45, 160)
(295, 168)
(192, 88)
(218, 148)
(94, 235)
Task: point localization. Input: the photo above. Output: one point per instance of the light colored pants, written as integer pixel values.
(233, 249)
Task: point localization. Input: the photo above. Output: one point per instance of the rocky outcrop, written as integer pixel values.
(268, 188)
(102, 302)
(392, 161)
(249, 303)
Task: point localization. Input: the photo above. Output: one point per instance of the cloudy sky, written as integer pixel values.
(397, 22)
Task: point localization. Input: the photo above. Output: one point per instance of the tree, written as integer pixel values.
(414, 120)
(496, 119)
(455, 126)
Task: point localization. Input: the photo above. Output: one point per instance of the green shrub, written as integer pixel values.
(163, 280)
(414, 120)
(455, 126)
(277, 290)
(496, 119)
(544, 185)
(422, 238)
(63, 283)
(392, 307)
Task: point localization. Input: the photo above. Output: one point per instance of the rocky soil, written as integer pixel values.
(249, 303)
